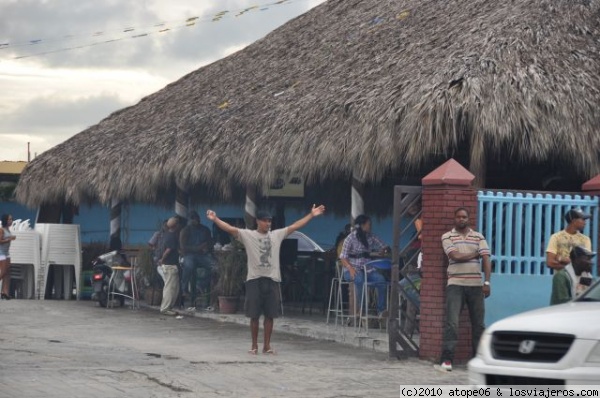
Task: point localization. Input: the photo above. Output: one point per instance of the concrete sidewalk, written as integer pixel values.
(313, 326)
(65, 348)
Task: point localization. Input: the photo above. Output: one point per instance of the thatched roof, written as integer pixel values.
(352, 86)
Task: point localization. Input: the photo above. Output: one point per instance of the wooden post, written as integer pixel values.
(357, 197)
(115, 219)
(182, 199)
(477, 161)
(250, 208)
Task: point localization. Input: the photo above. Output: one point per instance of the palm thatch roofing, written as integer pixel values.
(352, 87)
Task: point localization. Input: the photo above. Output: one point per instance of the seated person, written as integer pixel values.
(356, 253)
(410, 287)
(574, 278)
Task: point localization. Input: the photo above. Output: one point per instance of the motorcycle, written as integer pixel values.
(101, 274)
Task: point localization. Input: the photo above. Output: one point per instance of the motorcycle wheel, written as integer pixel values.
(102, 299)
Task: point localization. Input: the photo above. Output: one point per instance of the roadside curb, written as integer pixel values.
(377, 341)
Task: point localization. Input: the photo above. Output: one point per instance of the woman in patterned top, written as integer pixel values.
(356, 252)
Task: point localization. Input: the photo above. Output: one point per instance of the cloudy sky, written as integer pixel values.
(50, 90)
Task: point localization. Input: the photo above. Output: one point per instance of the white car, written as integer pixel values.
(305, 244)
(556, 345)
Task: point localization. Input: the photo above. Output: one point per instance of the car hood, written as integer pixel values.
(577, 318)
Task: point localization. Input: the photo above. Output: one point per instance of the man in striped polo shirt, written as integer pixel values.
(465, 249)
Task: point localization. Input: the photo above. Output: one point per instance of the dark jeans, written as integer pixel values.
(374, 279)
(191, 262)
(456, 298)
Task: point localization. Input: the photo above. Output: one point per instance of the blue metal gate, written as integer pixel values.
(517, 227)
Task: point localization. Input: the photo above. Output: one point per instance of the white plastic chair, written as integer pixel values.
(119, 275)
(25, 250)
(61, 246)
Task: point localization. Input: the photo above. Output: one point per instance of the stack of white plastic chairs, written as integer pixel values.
(25, 257)
(61, 247)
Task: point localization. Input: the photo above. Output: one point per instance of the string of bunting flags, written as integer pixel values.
(132, 32)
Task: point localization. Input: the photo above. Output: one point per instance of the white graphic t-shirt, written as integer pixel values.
(263, 252)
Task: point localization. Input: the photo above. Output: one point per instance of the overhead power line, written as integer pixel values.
(129, 32)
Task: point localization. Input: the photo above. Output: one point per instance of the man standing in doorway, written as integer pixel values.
(169, 262)
(156, 245)
(561, 243)
(195, 243)
(465, 249)
(264, 274)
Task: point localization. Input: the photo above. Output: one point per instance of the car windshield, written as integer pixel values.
(592, 294)
(305, 244)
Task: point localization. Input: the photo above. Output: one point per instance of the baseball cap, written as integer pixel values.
(578, 251)
(194, 215)
(574, 214)
(263, 215)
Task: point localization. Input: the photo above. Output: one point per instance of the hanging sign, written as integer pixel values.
(286, 187)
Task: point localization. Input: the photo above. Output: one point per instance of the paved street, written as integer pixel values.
(75, 349)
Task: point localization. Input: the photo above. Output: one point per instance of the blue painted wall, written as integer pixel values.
(325, 229)
(513, 294)
(18, 211)
(142, 220)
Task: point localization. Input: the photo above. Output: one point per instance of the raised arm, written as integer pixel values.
(230, 229)
(315, 212)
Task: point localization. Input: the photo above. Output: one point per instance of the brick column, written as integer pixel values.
(444, 189)
(592, 188)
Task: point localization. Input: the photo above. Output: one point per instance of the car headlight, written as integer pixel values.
(594, 356)
(484, 342)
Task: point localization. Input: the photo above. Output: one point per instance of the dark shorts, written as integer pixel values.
(262, 298)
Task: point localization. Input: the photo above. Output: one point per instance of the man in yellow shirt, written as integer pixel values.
(561, 243)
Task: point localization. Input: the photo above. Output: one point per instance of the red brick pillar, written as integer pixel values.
(444, 190)
(592, 188)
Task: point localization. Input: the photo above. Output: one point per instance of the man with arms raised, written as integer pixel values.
(264, 275)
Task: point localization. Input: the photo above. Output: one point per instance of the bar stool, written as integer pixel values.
(375, 265)
(333, 290)
(336, 296)
(120, 274)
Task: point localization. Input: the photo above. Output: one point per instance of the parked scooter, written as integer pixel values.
(101, 273)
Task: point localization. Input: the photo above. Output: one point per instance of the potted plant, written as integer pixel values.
(232, 275)
(150, 283)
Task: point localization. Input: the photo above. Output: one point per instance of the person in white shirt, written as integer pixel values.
(264, 274)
